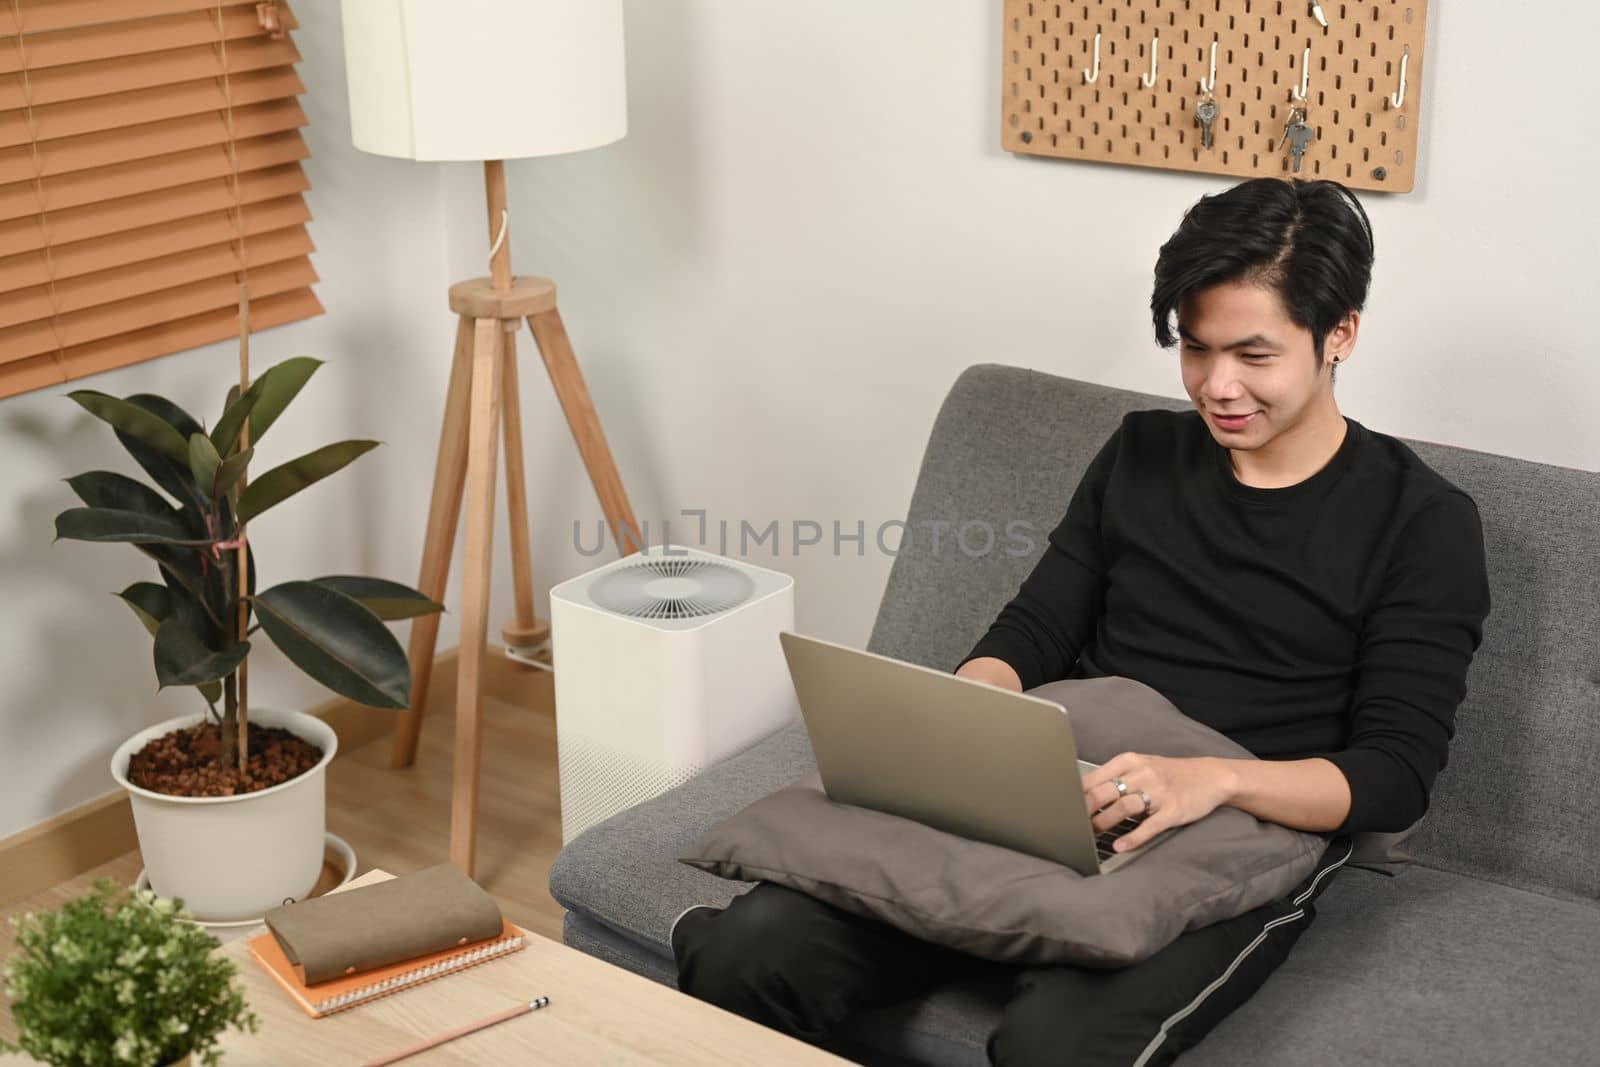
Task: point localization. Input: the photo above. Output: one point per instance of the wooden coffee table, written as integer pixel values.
(598, 1013)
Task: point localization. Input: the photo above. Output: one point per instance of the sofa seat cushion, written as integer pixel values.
(1390, 969)
(1398, 970)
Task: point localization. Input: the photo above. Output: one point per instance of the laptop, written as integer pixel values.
(959, 755)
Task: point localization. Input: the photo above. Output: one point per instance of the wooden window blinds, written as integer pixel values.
(123, 197)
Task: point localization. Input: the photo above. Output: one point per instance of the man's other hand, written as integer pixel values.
(1181, 790)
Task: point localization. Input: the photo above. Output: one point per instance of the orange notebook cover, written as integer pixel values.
(325, 998)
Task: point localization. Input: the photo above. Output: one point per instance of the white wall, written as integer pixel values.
(810, 230)
(771, 283)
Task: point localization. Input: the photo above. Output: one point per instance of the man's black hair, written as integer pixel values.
(1310, 242)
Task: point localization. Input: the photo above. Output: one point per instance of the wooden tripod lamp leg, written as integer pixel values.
(527, 631)
(483, 443)
(567, 379)
(444, 511)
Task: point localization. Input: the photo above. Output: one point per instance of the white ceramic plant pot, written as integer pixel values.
(234, 857)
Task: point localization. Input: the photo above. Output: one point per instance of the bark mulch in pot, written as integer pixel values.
(184, 762)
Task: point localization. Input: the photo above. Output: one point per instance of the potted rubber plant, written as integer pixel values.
(120, 977)
(229, 802)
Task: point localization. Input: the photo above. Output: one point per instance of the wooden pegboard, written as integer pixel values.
(1363, 140)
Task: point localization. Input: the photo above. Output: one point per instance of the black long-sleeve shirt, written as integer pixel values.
(1335, 617)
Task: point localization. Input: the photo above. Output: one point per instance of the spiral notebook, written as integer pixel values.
(324, 998)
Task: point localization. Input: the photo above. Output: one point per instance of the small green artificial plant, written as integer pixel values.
(332, 628)
(119, 977)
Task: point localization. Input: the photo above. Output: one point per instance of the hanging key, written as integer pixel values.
(1300, 136)
(1205, 113)
(1297, 134)
(1316, 10)
(1294, 116)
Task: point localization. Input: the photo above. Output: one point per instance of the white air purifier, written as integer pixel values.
(666, 662)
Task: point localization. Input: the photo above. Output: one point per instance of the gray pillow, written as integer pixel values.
(999, 904)
(1375, 851)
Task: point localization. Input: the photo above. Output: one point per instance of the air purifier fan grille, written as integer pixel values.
(672, 588)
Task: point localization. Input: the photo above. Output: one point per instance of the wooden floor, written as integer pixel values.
(400, 819)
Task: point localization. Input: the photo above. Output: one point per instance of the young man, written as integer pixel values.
(1304, 585)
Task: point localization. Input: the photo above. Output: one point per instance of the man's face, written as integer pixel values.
(1242, 355)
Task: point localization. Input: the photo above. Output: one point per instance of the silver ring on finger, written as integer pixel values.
(1146, 798)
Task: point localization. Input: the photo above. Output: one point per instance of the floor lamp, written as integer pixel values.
(489, 80)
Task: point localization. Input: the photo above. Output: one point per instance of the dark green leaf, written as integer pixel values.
(387, 600)
(181, 655)
(276, 387)
(250, 559)
(226, 434)
(338, 642)
(280, 483)
(180, 568)
(114, 524)
(189, 568)
(135, 421)
(204, 463)
(173, 475)
(231, 469)
(108, 489)
(151, 602)
(117, 492)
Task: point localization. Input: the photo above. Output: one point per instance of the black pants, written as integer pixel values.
(801, 965)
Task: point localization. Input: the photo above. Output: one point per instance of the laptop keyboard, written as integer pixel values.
(1102, 840)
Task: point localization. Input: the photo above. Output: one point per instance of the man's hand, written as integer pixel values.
(1181, 789)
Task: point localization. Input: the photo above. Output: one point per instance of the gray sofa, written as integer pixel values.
(1485, 950)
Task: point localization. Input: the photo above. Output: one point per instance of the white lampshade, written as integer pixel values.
(484, 79)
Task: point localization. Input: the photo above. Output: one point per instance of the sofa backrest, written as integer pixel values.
(1514, 802)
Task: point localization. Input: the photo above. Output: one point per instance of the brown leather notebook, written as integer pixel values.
(356, 930)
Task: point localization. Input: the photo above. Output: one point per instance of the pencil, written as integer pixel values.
(423, 1046)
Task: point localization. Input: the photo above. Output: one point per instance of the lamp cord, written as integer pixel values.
(505, 219)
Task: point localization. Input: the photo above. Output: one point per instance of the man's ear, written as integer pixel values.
(1341, 340)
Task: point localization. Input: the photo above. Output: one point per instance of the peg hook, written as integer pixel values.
(1088, 78)
(1208, 84)
(1399, 99)
(1155, 44)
